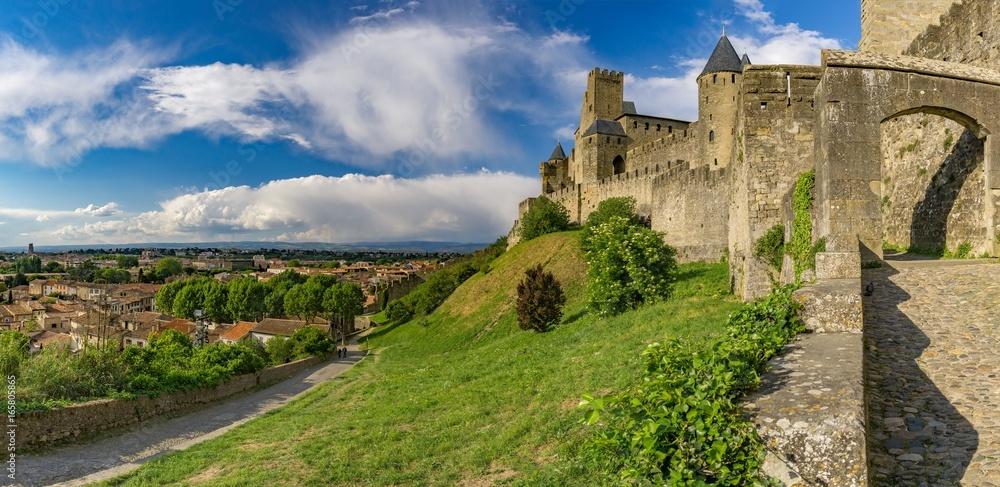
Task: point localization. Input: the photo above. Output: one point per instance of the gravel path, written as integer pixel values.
(932, 335)
(112, 456)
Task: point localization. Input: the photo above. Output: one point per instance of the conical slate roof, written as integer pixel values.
(724, 58)
(558, 153)
(746, 60)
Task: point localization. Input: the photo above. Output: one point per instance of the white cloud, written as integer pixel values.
(677, 97)
(474, 207)
(110, 209)
(366, 95)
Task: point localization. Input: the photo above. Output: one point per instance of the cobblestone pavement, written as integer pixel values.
(117, 454)
(932, 339)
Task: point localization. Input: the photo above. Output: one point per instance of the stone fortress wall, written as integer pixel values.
(717, 184)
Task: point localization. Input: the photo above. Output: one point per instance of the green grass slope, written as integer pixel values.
(463, 396)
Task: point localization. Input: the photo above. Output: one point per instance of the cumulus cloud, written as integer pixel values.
(474, 207)
(770, 43)
(110, 209)
(367, 94)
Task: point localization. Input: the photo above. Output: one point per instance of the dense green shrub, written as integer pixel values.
(606, 210)
(280, 350)
(13, 350)
(627, 265)
(398, 311)
(539, 300)
(544, 217)
(681, 424)
(309, 341)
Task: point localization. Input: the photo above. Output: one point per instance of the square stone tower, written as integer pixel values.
(889, 26)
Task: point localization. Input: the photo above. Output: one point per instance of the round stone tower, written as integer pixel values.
(718, 95)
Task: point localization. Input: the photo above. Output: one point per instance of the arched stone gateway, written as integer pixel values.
(857, 93)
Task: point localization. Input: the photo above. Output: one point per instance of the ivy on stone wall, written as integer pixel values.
(770, 246)
(801, 246)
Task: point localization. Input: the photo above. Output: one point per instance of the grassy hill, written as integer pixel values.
(462, 396)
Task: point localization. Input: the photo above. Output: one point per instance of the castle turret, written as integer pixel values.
(718, 90)
(555, 171)
(745, 60)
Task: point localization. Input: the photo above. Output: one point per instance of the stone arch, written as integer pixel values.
(858, 92)
(618, 165)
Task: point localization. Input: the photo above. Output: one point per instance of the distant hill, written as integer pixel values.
(411, 246)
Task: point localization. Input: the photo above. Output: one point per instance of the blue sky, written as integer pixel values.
(336, 121)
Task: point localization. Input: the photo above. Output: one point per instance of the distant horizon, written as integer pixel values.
(253, 245)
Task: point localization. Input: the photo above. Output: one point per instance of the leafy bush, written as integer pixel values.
(628, 265)
(309, 340)
(544, 217)
(539, 300)
(13, 350)
(280, 350)
(606, 210)
(398, 311)
(770, 246)
(681, 424)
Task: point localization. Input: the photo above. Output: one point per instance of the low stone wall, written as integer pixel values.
(38, 429)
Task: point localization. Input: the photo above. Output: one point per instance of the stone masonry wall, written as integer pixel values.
(967, 35)
(45, 428)
(691, 207)
(932, 187)
(775, 143)
(887, 26)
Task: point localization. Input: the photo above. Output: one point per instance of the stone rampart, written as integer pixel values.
(691, 207)
(39, 429)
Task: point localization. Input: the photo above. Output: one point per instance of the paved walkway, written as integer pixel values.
(932, 335)
(116, 455)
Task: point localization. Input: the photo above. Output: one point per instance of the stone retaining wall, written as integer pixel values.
(39, 429)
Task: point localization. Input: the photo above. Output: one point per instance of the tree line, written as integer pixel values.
(247, 299)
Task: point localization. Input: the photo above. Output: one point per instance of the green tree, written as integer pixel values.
(189, 298)
(539, 300)
(293, 263)
(545, 216)
(216, 301)
(309, 340)
(127, 261)
(168, 266)
(53, 266)
(628, 265)
(166, 295)
(86, 272)
(343, 302)
(246, 299)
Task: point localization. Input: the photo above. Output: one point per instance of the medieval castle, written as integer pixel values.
(897, 132)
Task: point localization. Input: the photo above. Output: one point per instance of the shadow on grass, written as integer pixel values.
(382, 330)
(575, 317)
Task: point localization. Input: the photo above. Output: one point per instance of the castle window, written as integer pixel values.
(670, 129)
(710, 116)
(607, 140)
(734, 79)
(657, 127)
(647, 125)
(715, 78)
(619, 140)
(711, 136)
(635, 125)
(763, 105)
(716, 162)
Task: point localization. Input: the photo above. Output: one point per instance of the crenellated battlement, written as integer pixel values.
(607, 73)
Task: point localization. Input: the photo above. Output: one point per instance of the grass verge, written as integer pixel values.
(463, 397)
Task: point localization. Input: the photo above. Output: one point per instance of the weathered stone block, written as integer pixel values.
(831, 305)
(810, 412)
(838, 265)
